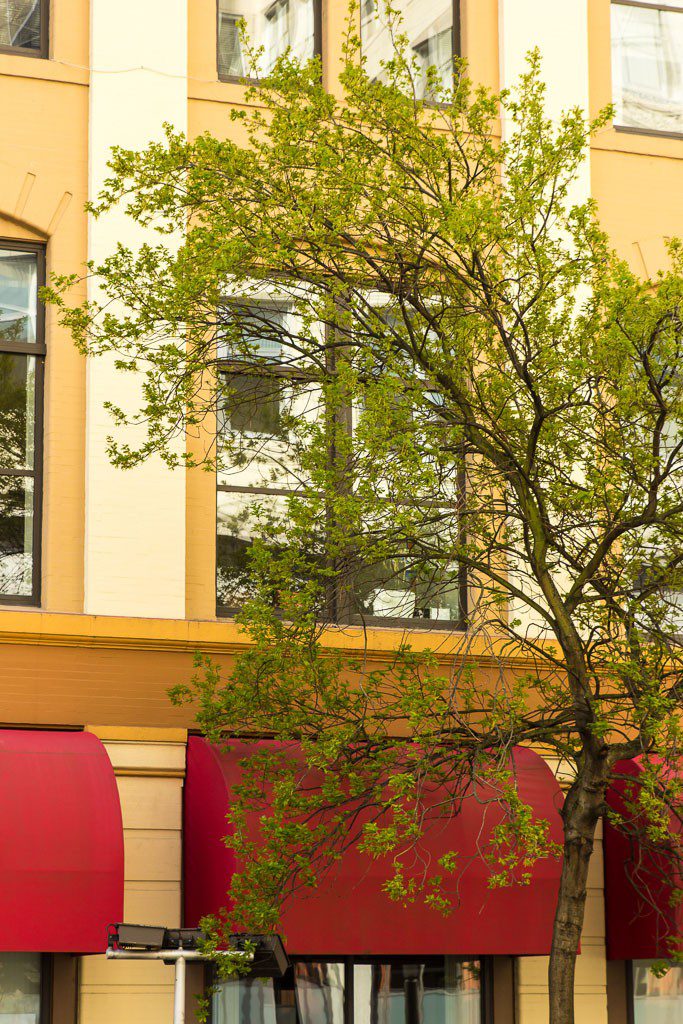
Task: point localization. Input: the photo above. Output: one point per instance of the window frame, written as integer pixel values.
(341, 611)
(39, 352)
(626, 129)
(486, 990)
(42, 53)
(244, 80)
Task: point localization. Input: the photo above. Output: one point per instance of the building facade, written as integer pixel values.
(108, 578)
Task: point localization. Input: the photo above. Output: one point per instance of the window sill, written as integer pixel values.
(648, 132)
(371, 623)
(21, 51)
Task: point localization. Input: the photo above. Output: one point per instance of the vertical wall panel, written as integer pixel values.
(135, 519)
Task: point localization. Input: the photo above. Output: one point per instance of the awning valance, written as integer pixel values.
(348, 914)
(640, 918)
(61, 856)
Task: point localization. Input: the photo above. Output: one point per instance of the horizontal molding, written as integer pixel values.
(61, 629)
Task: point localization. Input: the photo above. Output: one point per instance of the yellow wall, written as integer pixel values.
(43, 186)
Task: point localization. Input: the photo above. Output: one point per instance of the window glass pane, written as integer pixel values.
(647, 67)
(657, 1000)
(275, 25)
(16, 535)
(17, 410)
(429, 28)
(19, 988)
(319, 993)
(396, 588)
(251, 404)
(244, 1001)
(447, 991)
(18, 294)
(257, 443)
(241, 517)
(20, 23)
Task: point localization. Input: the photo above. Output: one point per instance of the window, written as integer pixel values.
(22, 352)
(407, 570)
(647, 65)
(257, 464)
(437, 990)
(656, 1000)
(23, 27)
(272, 27)
(432, 31)
(21, 988)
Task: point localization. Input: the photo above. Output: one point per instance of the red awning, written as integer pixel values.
(641, 922)
(61, 856)
(349, 914)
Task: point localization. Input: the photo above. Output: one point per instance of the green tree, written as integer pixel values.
(466, 389)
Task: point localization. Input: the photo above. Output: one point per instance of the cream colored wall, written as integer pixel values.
(135, 520)
(149, 766)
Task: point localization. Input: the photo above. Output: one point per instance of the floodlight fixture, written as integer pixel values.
(268, 960)
(136, 936)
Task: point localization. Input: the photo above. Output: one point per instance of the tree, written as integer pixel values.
(463, 379)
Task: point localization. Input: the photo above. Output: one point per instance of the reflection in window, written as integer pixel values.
(398, 589)
(309, 993)
(273, 25)
(657, 1000)
(647, 67)
(20, 988)
(20, 398)
(429, 28)
(445, 991)
(441, 990)
(20, 24)
(319, 993)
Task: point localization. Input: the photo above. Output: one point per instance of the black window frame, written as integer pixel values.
(245, 80)
(626, 129)
(456, 31)
(42, 53)
(486, 990)
(39, 351)
(340, 611)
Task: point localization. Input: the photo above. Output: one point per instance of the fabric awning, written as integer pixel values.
(640, 919)
(348, 914)
(61, 857)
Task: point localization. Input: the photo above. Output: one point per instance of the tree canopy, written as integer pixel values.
(460, 410)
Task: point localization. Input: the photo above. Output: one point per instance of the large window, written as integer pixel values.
(656, 1000)
(20, 988)
(272, 27)
(647, 65)
(23, 27)
(437, 990)
(406, 571)
(432, 31)
(22, 353)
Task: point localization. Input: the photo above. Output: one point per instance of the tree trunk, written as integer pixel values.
(582, 809)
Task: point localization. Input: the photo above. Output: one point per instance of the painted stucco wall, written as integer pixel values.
(135, 520)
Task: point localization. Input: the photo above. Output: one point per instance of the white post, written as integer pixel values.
(179, 992)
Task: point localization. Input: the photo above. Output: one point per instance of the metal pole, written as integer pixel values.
(179, 992)
(169, 956)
